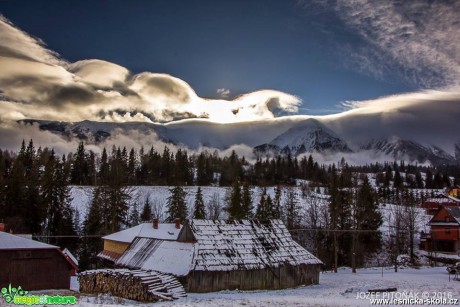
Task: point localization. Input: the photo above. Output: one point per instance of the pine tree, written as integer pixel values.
(134, 217)
(56, 201)
(366, 216)
(246, 202)
(429, 179)
(93, 225)
(277, 203)
(177, 207)
(132, 166)
(79, 171)
(398, 182)
(104, 170)
(32, 212)
(388, 176)
(291, 207)
(146, 214)
(199, 212)
(234, 208)
(261, 211)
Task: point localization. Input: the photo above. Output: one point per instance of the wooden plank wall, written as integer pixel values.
(34, 269)
(269, 278)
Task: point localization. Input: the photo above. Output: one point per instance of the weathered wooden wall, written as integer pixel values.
(116, 247)
(34, 269)
(270, 278)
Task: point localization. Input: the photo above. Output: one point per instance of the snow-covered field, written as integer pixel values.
(341, 289)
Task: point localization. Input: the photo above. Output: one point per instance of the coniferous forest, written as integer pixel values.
(35, 195)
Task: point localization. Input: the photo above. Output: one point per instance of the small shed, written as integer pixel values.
(217, 255)
(116, 243)
(33, 265)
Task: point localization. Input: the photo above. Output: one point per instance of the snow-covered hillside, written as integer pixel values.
(158, 196)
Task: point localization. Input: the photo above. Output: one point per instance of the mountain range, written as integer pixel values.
(361, 135)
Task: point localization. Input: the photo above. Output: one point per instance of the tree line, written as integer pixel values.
(35, 196)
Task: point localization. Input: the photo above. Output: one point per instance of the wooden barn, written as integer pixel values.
(116, 243)
(217, 255)
(33, 265)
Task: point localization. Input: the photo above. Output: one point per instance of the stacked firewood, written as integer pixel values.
(139, 285)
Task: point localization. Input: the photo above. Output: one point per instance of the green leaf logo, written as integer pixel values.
(10, 292)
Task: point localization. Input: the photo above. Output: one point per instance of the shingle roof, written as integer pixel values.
(246, 244)
(9, 241)
(220, 246)
(146, 230)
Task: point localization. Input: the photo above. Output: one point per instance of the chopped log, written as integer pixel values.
(139, 285)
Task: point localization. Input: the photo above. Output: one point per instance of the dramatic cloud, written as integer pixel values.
(428, 117)
(18, 44)
(36, 83)
(99, 73)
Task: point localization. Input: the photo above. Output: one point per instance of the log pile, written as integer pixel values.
(139, 285)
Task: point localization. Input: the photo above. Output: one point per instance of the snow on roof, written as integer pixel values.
(10, 241)
(219, 246)
(164, 256)
(455, 212)
(145, 230)
(70, 255)
(246, 244)
(443, 199)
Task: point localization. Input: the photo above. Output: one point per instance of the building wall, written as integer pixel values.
(114, 246)
(445, 233)
(270, 278)
(34, 269)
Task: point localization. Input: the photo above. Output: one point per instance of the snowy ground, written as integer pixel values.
(341, 289)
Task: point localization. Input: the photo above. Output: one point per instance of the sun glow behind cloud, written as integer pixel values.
(36, 83)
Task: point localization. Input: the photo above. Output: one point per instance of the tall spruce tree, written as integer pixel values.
(291, 208)
(56, 201)
(32, 211)
(199, 212)
(246, 202)
(234, 207)
(177, 207)
(94, 225)
(265, 210)
(79, 171)
(134, 216)
(261, 210)
(277, 203)
(366, 220)
(146, 213)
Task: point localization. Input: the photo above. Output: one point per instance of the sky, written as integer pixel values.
(227, 61)
(324, 53)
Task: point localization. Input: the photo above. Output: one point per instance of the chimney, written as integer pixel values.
(177, 222)
(155, 223)
(2, 227)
